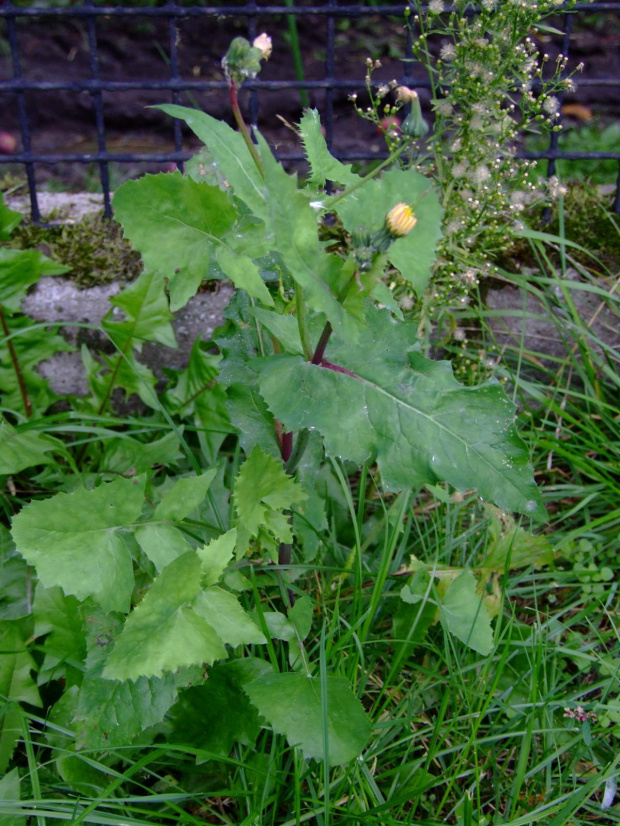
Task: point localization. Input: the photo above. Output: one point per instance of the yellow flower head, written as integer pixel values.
(400, 220)
(263, 44)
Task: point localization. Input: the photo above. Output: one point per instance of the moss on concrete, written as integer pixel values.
(94, 248)
(589, 222)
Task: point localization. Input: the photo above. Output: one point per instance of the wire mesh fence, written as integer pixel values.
(75, 83)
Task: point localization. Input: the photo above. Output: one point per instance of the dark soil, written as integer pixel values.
(138, 49)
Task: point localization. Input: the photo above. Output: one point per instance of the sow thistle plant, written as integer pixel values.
(316, 367)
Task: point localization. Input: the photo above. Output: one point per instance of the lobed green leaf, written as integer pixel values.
(323, 166)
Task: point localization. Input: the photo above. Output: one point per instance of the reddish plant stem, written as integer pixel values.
(16, 366)
(286, 446)
(319, 352)
(338, 369)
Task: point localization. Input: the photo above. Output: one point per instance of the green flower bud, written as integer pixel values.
(414, 124)
(242, 60)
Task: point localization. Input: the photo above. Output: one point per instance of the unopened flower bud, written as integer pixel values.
(263, 43)
(242, 60)
(400, 220)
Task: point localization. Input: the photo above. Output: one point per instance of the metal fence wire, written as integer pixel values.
(30, 83)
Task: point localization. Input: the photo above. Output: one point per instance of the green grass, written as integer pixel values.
(457, 737)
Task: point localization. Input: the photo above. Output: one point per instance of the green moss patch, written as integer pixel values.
(94, 248)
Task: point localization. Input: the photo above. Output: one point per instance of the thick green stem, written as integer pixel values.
(16, 366)
(234, 104)
(302, 322)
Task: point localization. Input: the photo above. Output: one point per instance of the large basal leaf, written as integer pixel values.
(216, 715)
(293, 705)
(112, 713)
(174, 222)
(408, 413)
(163, 632)
(512, 547)
(414, 254)
(75, 540)
(230, 154)
(464, 614)
(161, 543)
(323, 166)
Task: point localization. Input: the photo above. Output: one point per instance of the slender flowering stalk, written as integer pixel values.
(234, 105)
(242, 61)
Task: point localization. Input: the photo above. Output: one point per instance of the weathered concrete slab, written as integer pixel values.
(58, 300)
